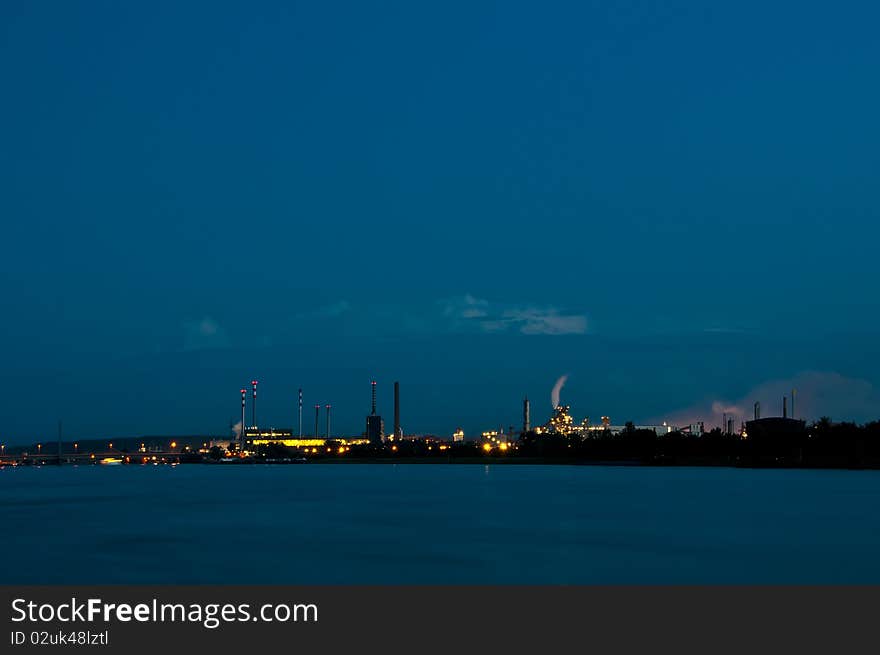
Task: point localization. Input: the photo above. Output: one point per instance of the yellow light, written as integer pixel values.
(292, 443)
(173, 444)
(503, 446)
(394, 448)
(341, 450)
(487, 447)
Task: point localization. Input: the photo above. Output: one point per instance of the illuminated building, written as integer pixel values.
(561, 421)
(496, 438)
(458, 435)
(286, 438)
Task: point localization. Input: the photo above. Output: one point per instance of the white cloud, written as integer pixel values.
(546, 321)
(476, 313)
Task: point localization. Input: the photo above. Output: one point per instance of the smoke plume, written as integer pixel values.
(236, 429)
(819, 393)
(554, 395)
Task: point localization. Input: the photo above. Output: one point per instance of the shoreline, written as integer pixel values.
(479, 461)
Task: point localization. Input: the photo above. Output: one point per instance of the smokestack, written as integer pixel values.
(757, 410)
(243, 401)
(397, 432)
(373, 411)
(317, 410)
(254, 406)
(784, 407)
(793, 392)
(328, 421)
(730, 426)
(526, 417)
(300, 413)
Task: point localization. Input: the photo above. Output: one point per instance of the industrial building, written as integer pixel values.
(375, 432)
(775, 427)
(252, 436)
(562, 423)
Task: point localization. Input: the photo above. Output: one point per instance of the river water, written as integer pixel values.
(429, 524)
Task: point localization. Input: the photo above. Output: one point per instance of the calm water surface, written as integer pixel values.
(316, 524)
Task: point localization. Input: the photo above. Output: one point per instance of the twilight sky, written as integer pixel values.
(674, 203)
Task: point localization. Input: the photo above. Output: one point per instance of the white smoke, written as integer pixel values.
(819, 393)
(236, 430)
(720, 408)
(554, 395)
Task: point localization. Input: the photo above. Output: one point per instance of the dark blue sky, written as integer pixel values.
(676, 204)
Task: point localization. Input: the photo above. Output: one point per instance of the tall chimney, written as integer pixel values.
(317, 410)
(328, 421)
(300, 413)
(254, 405)
(373, 411)
(793, 392)
(526, 418)
(757, 410)
(784, 407)
(397, 432)
(243, 401)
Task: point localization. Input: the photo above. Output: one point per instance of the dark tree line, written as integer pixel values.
(821, 444)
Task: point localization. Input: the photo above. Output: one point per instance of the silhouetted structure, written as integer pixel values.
(398, 432)
(375, 426)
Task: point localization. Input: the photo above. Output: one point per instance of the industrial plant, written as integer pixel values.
(773, 440)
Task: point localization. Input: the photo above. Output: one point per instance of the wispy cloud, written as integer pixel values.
(330, 310)
(203, 334)
(476, 313)
(465, 307)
